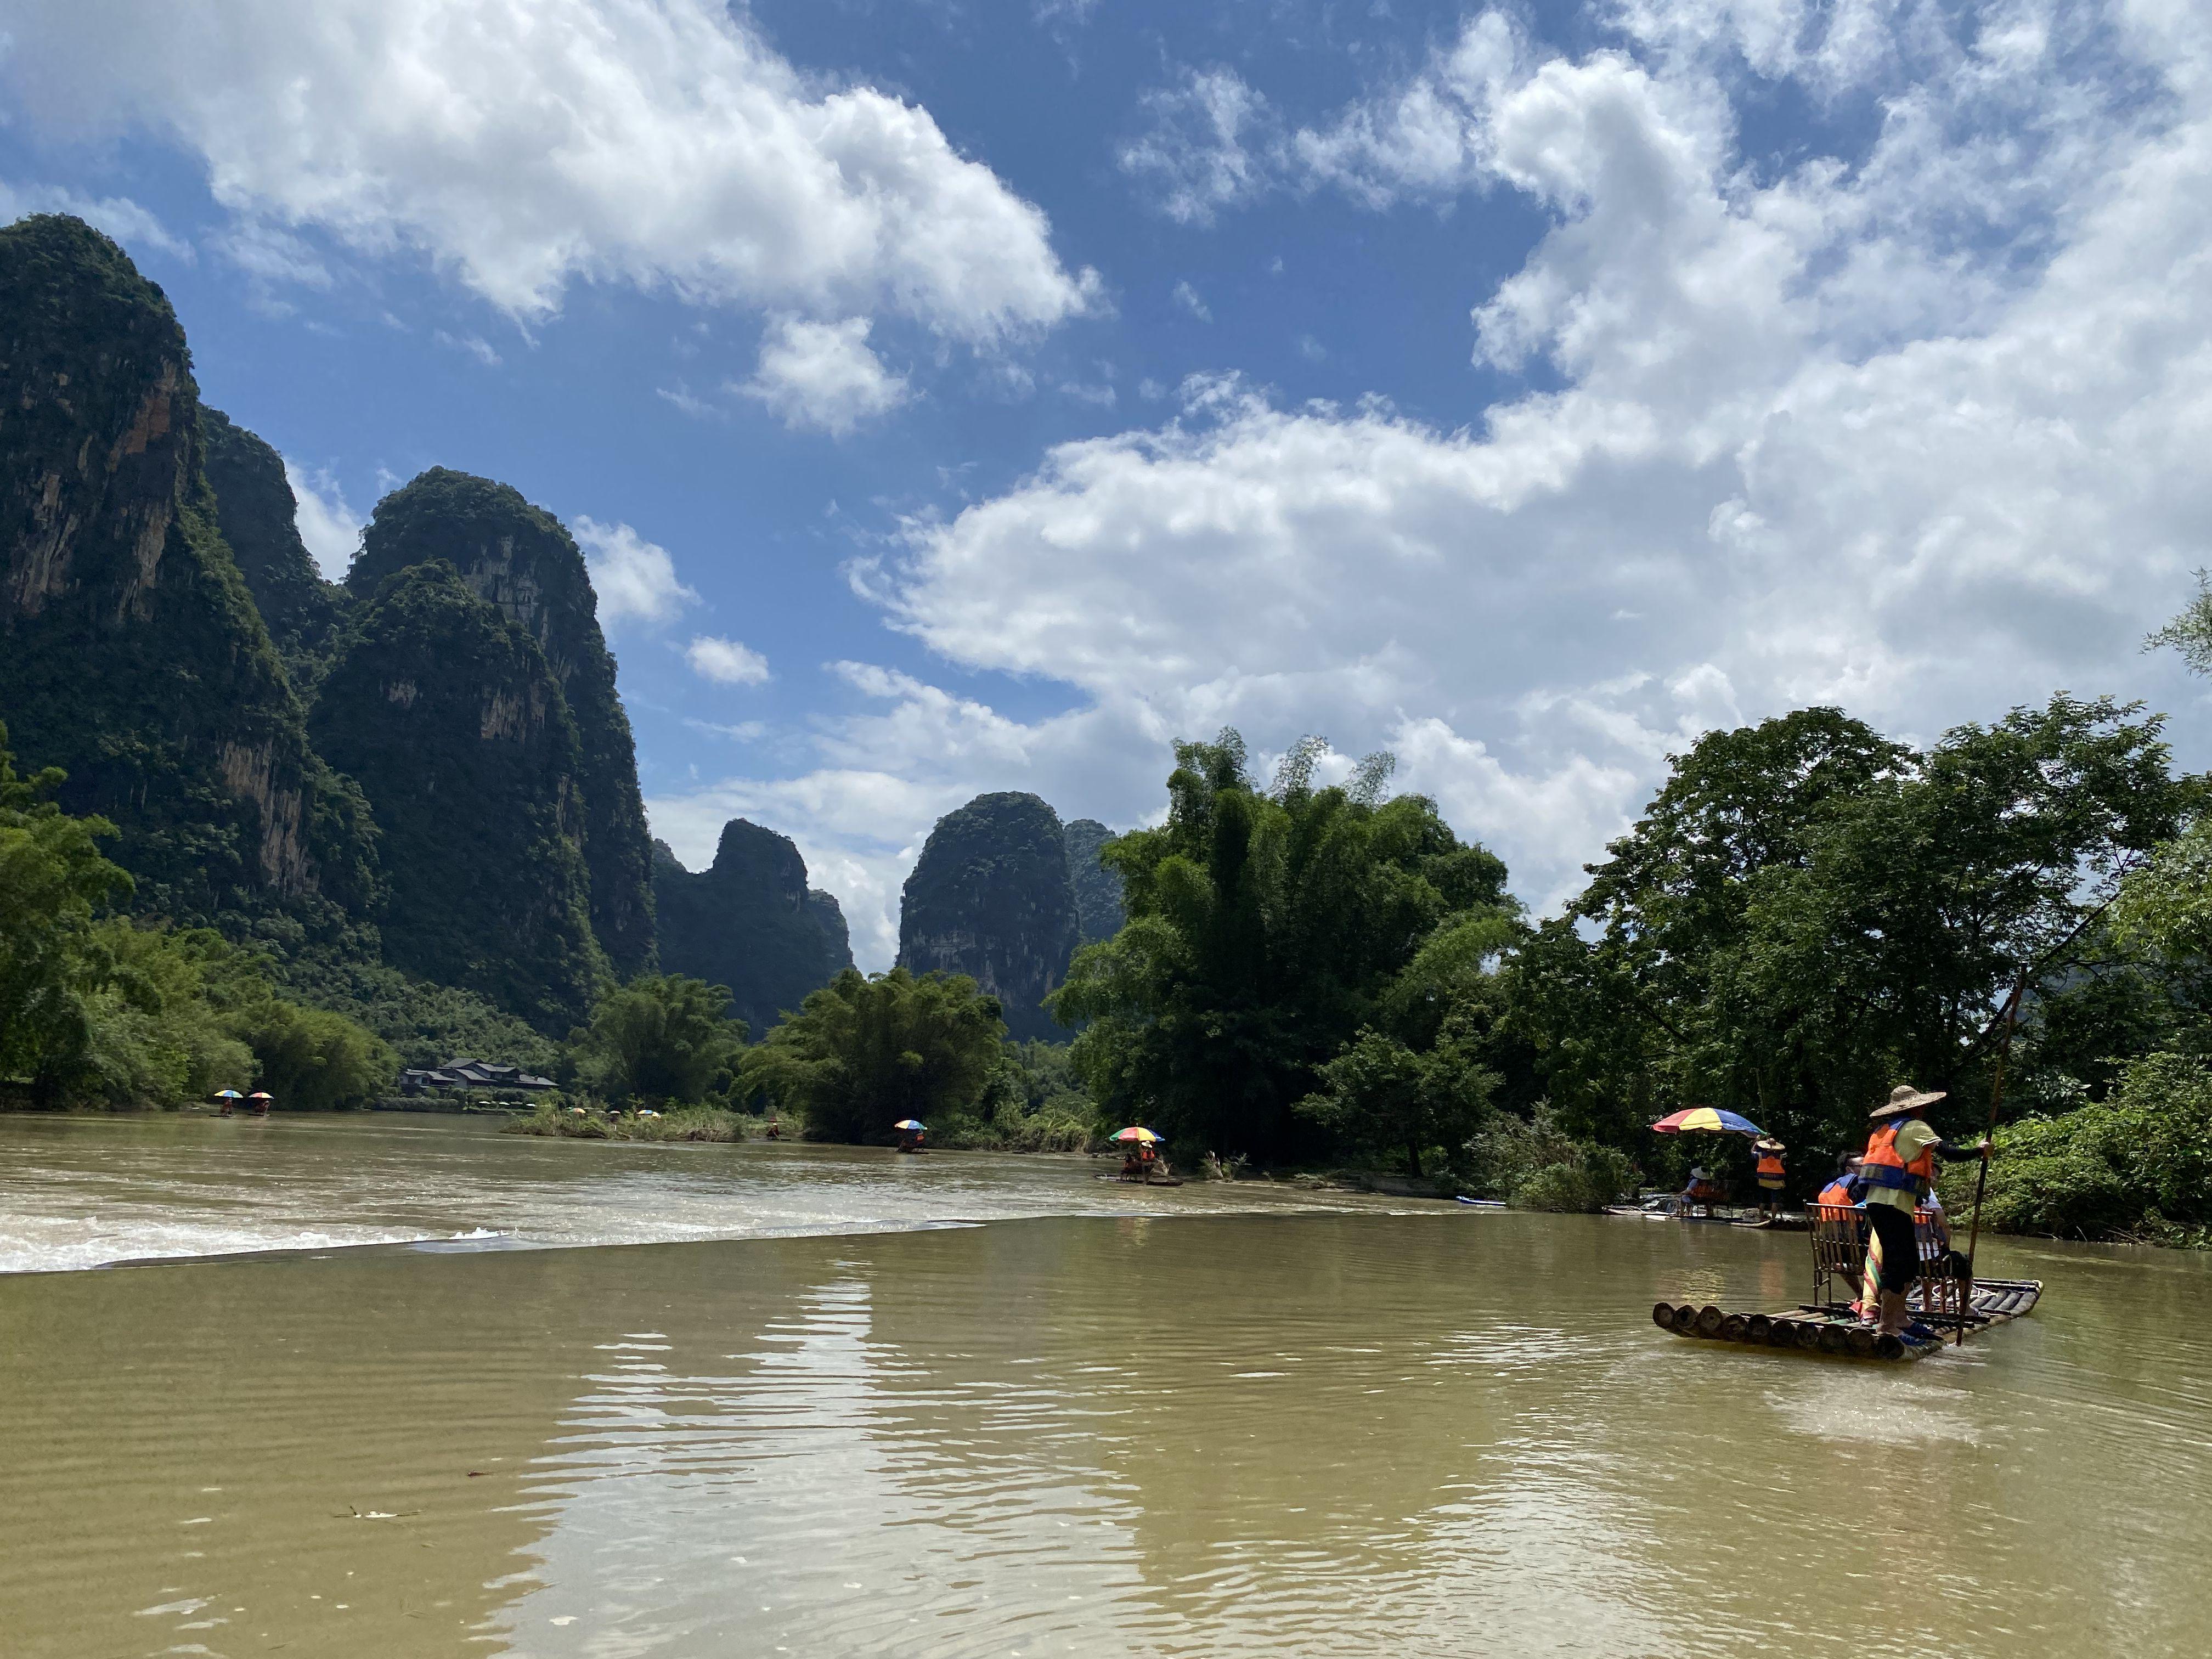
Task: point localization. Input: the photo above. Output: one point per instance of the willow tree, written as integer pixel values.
(1267, 928)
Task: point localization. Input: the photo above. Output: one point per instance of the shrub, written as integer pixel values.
(557, 1119)
(661, 1038)
(1032, 1103)
(1535, 1165)
(2138, 1165)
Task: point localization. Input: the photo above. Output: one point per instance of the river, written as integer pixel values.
(772, 1399)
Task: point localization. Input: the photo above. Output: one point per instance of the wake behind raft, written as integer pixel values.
(1940, 1303)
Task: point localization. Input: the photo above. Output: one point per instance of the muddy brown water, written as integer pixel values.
(1225, 1424)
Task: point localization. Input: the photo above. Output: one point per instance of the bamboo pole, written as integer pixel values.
(1988, 1136)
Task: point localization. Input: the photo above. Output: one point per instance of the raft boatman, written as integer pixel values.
(1898, 1170)
(1769, 1173)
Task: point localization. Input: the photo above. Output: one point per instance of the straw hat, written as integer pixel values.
(1904, 1098)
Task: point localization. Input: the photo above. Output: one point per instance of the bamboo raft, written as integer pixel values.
(1829, 1324)
(1810, 1328)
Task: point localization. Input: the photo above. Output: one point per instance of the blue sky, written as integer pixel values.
(958, 397)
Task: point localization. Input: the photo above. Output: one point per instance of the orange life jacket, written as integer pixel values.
(1884, 1166)
(1770, 1165)
(1838, 1192)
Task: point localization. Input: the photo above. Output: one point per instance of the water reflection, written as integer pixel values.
(1241, 1436)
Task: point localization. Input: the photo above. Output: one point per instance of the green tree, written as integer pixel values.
(1809, 914)
(156, 1036)
(2190, 632)
(864, 1052)
(1033, 1102)
(1533, 1164)
(2163, 914)
(1266, 929)
(661, 1038)
(2138, 1165)
(2164, 907)
(311, 1058)
(1628, 1023)
(52, 879)
(1378, 1094)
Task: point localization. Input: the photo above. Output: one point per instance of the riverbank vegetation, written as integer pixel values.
(2136, 1165)
(1270, 930)
(98, 1008)
(865, 1052)
(562, 1121)
(1807, 913)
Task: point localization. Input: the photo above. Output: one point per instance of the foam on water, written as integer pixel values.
(96, 1192)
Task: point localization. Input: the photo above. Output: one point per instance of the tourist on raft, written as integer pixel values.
(1845, 1189)
(1898, 1170)
(1702, 1193)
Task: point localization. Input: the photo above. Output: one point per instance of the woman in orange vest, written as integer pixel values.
(1769, 1170)
(1897, 1169)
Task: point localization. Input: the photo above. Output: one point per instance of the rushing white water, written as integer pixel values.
(91, 1192)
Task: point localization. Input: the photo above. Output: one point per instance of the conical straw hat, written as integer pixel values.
(1904, 1098)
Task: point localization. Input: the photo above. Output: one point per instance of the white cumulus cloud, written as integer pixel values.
(823, 375)
(524, 145)
(635, 579)
(330, 527)
(1918, 429)
(725, 661)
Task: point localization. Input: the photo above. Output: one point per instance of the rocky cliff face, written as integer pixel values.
(449, 716)
(258, 516)
(130, 650)
(990, 897)
(749, 922)
(521, 559)
(1098, 890)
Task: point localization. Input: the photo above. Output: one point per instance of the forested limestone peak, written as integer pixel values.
(447, 715)
(991, 897)
(258, 516)
(521, 559)
(131, 652)
(750, 921)
(1098, 890)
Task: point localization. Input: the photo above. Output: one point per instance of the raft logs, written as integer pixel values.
(1776, 1331)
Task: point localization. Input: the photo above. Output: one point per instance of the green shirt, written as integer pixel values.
(1914, 1138)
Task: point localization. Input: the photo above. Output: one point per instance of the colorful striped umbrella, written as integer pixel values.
(229, 1094)
(1706, 1117)
(907, 1123)
(1136, 1135)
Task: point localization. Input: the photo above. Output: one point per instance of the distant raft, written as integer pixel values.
(1836, 1330)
